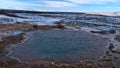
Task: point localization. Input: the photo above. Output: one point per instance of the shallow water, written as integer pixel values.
(60, 46)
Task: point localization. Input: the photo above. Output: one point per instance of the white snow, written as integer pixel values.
(50, 19)
(9, 33)
(106, 13)
(32, 19)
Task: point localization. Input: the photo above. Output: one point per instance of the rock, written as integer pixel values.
(117, 38)
(101, 32)
(112, 31)
(60, 26)
(35, 26)
(111, 47)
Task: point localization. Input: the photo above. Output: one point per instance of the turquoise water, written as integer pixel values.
(60, 46)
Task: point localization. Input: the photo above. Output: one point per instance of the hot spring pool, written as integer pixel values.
(60, 46)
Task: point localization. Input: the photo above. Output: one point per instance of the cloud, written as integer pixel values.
(92, 1)
(60, 5)
(17, 4)
(57, 4)
(14, 4)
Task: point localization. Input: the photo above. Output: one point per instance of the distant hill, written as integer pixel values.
(106, 13)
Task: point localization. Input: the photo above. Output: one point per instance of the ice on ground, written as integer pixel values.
(35, 19)
(50, 19)
(106, 13)
(9, 33)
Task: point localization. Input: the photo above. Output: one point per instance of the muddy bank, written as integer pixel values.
(28, 27)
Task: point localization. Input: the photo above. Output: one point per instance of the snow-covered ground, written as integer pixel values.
(106, 13)
(32, 19)
(9, 33)
(89, 19)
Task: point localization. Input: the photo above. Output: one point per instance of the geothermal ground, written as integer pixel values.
(30, 39)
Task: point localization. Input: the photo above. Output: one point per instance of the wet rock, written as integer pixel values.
(35, 26)
(111, 47)
(117, 38)
(113, 67)
(115, 57)
(100, 32)
(47, 27)
(60, 26)
(114, 51)
(105, 31)
(63, 66)
(38, 66)
(112, 31)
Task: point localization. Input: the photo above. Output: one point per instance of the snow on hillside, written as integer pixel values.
(32, 19)
(93, 19)
(106, 13)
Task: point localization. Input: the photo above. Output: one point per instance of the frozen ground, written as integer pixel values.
(85, 19)
(72, 21)
(32, 19)
(9, 33)
(106, 13)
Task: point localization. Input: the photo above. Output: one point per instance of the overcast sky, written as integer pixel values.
(63, 5)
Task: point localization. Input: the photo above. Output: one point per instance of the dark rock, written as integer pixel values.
(115, 58)
(59, 25)
(38, 66)
(63, 66)
(35, 26)
(112, 31)
(111, 47)
(101, 32)
(117, 38)
(113, 67)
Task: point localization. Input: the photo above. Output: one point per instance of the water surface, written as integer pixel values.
(60, 46)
